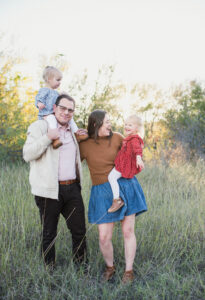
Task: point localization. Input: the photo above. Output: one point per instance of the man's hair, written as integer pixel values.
(69, 98)
(49, 72)
(95, 121)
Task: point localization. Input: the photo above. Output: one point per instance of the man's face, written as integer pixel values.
(64, 111)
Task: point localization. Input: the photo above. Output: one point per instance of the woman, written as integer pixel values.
(100, 150)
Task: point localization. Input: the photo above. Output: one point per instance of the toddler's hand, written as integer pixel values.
(53, 134)
(139, 162)
(41, 105)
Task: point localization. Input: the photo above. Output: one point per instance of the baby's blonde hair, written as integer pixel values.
(49, 72)
(140, 124)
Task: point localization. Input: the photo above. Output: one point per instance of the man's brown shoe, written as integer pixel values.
(108, 273)
(116, 204)
(56, 144)
(128, 277)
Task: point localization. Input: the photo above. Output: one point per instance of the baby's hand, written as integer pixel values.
(139, 162)
(41, 105)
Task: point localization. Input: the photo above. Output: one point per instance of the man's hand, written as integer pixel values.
(139, 162)
(40, 105)
(53, 134)
(81, 131)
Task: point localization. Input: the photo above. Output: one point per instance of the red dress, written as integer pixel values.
(125, 161)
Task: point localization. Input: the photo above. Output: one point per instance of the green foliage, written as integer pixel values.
(13, 122)
(186, 122)
(150, 102)
(58, 60)
(16, 115)
(104, 95)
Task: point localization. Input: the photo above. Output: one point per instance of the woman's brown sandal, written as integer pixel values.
(128, 277)
(108, 273)
(116, 204)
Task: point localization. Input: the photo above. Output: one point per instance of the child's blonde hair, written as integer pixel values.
(49, 72)
(140, 124)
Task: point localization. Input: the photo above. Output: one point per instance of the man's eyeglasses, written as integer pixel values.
(64, 109)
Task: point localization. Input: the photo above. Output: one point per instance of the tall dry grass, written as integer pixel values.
(169, 263)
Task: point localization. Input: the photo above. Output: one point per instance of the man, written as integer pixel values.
(55, 176)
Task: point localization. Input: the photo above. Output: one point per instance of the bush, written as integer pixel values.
(186, 123)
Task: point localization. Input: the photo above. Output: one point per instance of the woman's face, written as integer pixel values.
(105, 129)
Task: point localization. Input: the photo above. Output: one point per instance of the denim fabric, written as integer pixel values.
(48, 97)
(101, 199)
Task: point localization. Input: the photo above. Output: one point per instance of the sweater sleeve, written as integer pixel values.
(120, 138)
(36, 143)
(137, 146)
(82, 147)
(41, 96)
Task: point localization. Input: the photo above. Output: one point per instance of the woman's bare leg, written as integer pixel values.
(105, 242)
(130, 245)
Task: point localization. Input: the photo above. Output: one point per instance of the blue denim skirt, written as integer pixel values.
(101, 199)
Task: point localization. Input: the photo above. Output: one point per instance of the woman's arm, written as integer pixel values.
(120, 138)
(82, 150)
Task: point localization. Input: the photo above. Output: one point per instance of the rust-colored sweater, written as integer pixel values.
(100, 157)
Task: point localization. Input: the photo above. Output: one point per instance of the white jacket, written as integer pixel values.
(44, 161)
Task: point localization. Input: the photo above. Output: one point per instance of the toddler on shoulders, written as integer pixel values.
(46, 98)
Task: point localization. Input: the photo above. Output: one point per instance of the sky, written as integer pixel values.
(152, 41)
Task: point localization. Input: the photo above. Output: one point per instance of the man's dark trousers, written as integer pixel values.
(70, 205)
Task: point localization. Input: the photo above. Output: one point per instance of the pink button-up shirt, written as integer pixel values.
(67, 155)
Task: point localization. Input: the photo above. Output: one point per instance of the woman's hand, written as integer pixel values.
(81, 135)
(139, 162)
(81, 131)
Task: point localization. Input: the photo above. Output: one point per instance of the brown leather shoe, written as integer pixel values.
(116, 204)
(56, 144)
(128, 277)
(108, 273)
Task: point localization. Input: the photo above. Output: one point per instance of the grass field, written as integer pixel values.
(170, 259)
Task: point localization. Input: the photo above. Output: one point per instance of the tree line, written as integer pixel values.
(172, 118)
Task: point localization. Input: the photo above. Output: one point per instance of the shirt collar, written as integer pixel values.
(67, 128)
